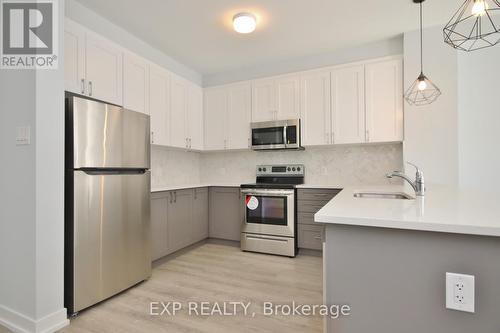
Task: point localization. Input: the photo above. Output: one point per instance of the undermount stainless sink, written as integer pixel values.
(383, 195)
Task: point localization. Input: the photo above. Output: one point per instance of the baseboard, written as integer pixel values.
(20, 323)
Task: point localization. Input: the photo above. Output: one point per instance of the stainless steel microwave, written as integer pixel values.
(280, 134)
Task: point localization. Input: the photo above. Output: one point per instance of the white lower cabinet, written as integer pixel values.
(227, 117)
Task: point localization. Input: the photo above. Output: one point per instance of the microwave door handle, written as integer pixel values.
(284, 135)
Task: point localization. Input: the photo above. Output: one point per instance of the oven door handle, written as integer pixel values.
(281, 193)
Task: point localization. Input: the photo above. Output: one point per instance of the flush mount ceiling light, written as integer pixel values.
(422, 91)
(474, 26)
(244, 23)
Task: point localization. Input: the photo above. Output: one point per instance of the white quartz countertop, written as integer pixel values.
(443, 209)
(187, 186)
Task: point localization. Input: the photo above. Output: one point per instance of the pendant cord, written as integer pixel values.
(421, 42)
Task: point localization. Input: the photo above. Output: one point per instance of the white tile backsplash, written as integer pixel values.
(335, 165)
(174, 167)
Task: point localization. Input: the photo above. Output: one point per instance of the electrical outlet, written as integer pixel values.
(23, 136)
(460, 292)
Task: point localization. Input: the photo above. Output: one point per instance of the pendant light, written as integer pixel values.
(422, 91)
(474, 26)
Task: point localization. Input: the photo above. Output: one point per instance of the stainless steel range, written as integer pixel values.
(270, 215)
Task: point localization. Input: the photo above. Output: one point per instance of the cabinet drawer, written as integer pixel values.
(310, 236)
(304, 206)
(317, 194)
(305, 218)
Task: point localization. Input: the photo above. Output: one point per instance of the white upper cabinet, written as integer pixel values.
(135, 83)
(159, 104)
(276, 98)
(216, 101)
(348, 104)
(315, 108)
(264, 103)
(239, 114)
(195, 117)
(104, 71)
(288, 97)
(384, 101)
(178, 112)
(74, 58)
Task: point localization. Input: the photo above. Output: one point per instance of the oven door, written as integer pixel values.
(269, 212)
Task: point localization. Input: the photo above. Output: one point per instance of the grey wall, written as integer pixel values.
(394, 280)
(377, 49)
(88, 18)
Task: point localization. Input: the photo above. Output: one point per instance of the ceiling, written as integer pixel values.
(198, 33)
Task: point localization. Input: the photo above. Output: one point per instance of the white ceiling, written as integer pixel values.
(198, 33)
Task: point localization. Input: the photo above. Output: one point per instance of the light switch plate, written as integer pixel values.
(460, 294)
(23, 135)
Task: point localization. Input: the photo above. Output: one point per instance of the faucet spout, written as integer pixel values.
(417, 185)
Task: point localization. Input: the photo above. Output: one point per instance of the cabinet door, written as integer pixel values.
(195, 117)
(178, 111)
(180, 217)
(215, 118)
(200, 215)
(238, 117)
(225, 213)
(74, 57)
(315, 109)
(288, 97)
(135, 83)
(104, 69)
(159, 203)
(348, 105)
(384, 101)
(159, 104)
(264, 107)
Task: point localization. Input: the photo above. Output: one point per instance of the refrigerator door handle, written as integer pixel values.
(97, 171)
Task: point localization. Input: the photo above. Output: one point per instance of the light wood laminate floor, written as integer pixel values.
(215, 273)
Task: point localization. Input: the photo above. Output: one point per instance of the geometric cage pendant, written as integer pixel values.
(474, 26)
(422, 91)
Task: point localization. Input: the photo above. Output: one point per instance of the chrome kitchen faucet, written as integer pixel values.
(418, 185)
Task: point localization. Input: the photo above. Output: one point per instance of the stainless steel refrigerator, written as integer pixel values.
(107, 201)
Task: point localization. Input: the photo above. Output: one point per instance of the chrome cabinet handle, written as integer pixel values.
(170, 194)
(90, 88)
(175, 196)
(333, 137)
(367, 136)
(152, 137)
(83, 86)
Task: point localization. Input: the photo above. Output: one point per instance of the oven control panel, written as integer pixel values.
(280, 170)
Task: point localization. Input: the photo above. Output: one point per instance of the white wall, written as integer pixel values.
(31, 198)
(383, 48)
(88, 18)
(431, 138)
(479, 118)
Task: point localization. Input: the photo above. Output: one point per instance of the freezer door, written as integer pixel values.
(107, 136)
(112, 249)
